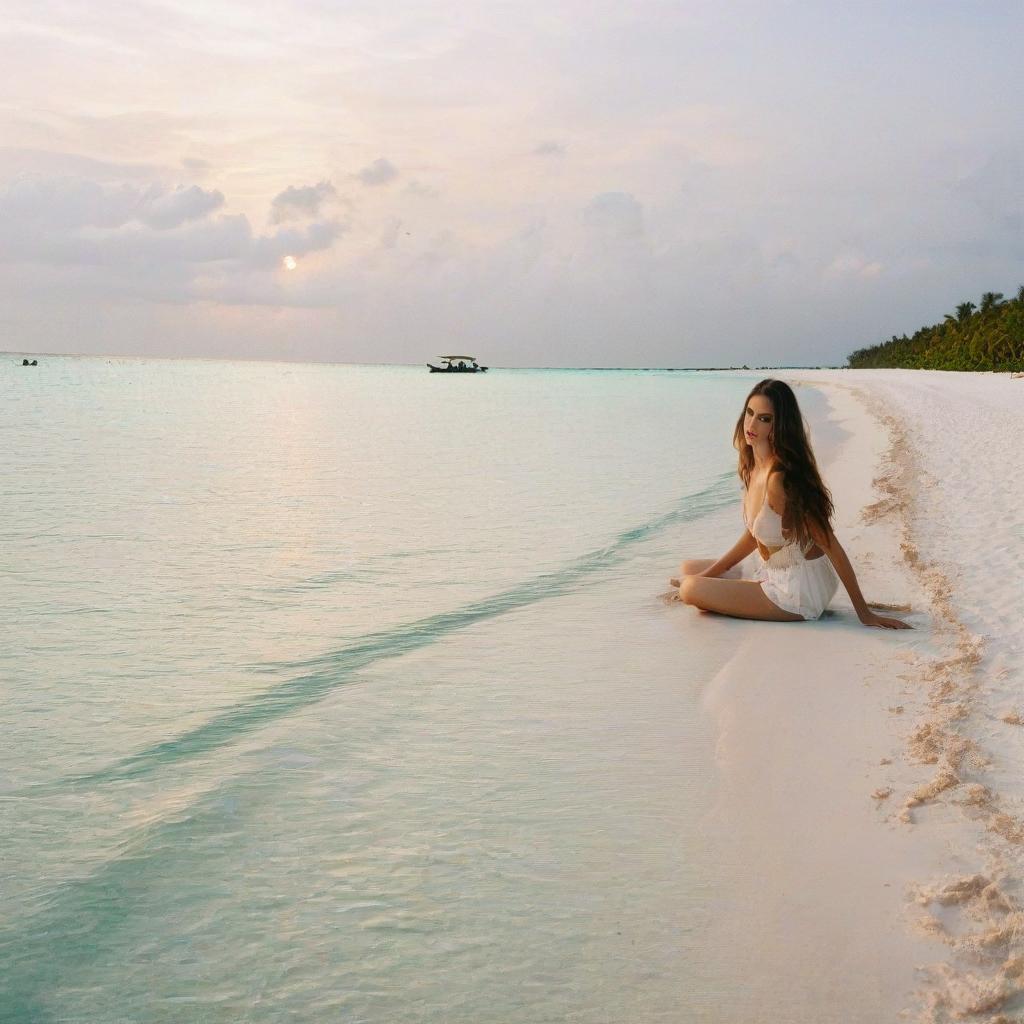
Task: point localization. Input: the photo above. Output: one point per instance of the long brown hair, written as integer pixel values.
(808, 500)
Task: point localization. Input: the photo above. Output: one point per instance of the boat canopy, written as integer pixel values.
(450, 359)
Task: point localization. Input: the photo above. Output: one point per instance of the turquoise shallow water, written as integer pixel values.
(338, 692)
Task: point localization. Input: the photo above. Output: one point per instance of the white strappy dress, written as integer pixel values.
(791, 581)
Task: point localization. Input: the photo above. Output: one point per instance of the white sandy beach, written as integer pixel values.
(872, 797)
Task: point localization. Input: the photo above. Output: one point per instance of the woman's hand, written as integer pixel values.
(871, 619)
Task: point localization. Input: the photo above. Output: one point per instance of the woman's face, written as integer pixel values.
(758, 420)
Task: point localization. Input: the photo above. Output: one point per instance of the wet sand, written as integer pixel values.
(869, 816)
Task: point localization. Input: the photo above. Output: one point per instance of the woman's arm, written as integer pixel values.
(735, 554)
(829, 543)
(844, 570)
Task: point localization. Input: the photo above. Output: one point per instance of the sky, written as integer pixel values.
(538, 182)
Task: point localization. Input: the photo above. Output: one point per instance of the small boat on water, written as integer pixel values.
(457, 364)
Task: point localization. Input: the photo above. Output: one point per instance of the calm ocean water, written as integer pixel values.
(344, 693)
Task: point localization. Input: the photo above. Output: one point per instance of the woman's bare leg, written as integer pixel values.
(692, 566)
(742, 599)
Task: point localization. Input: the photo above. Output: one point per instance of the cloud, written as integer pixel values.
(157, 243)
(549, 148)
(995, 188)
(69, 204)
(853, 264)
(615, 215)
(380, 172)
(168, 210)
(421, 191)
(195, 165)
(267, 251)
(301, 203)
(389, 236)
(19, 161)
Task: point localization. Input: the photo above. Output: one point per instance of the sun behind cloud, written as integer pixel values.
(290, 262)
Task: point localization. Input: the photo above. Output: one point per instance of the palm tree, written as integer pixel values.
(990, 300)
(965, 309)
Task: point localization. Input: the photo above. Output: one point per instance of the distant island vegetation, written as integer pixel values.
(989, 336)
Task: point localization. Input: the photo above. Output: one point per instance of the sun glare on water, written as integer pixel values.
(290, 262)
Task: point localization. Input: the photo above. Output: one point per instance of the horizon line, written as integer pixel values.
(329, 362)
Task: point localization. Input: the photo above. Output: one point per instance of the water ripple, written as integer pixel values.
(325, 672)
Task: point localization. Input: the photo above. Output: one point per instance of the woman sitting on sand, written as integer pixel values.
(787, 511)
